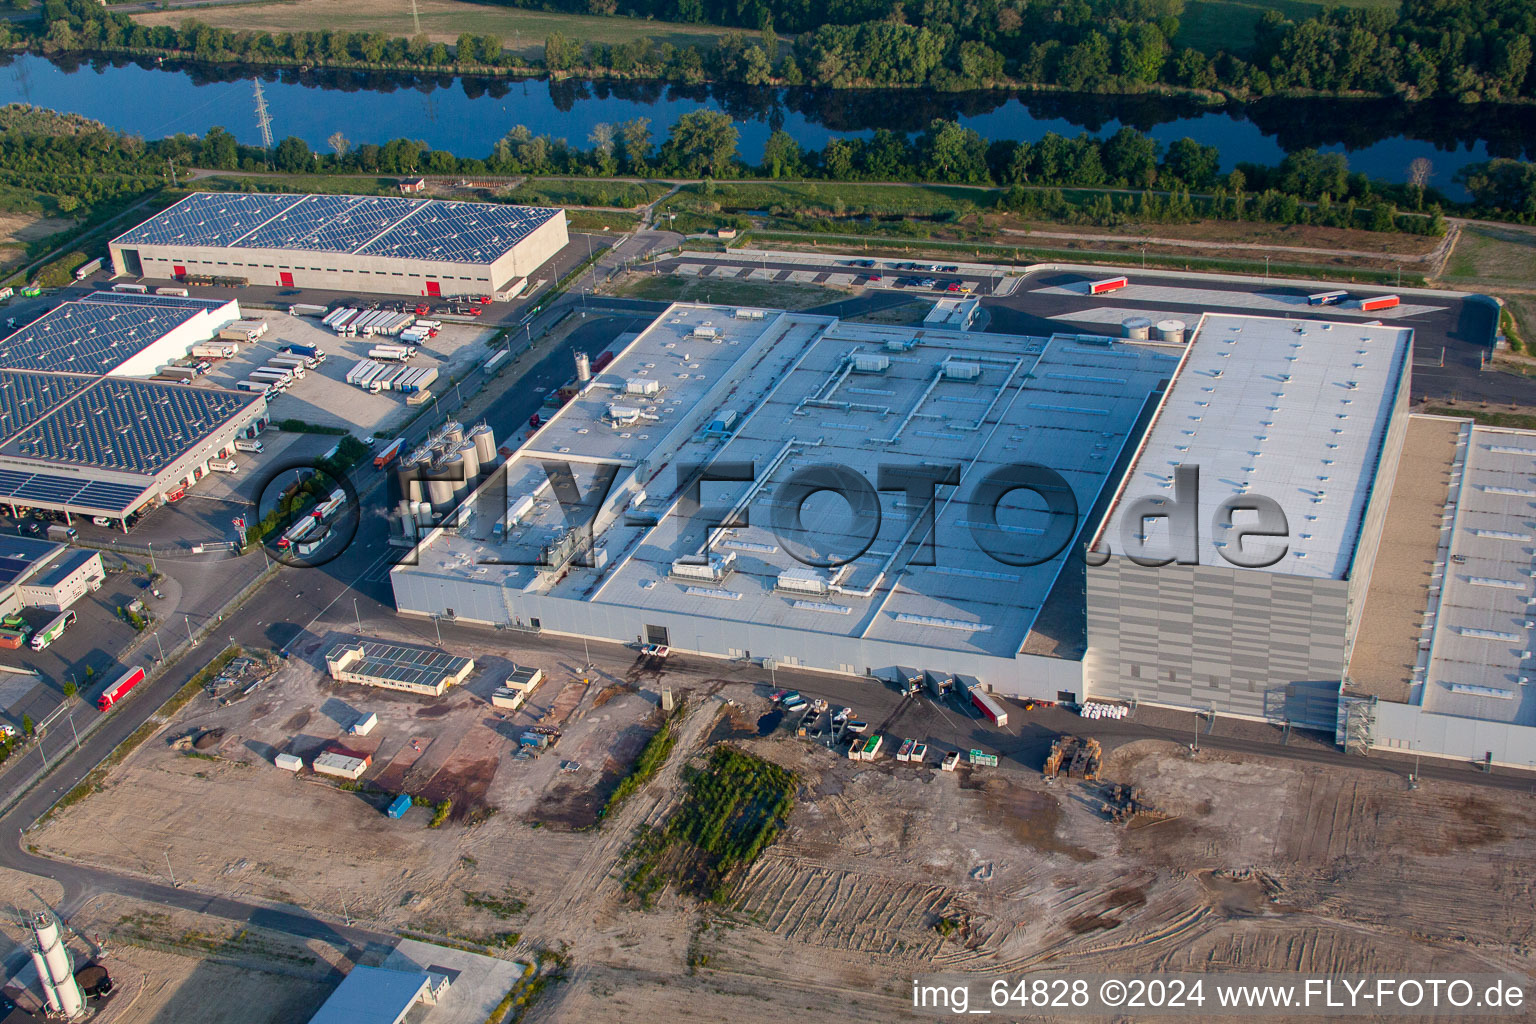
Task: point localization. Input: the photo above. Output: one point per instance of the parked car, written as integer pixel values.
(101, 520)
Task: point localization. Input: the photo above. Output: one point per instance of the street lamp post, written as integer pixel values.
(1266, 268)
(188, 620)
(357, 615)
(436, 625)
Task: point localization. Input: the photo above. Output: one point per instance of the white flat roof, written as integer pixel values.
(1481, 654)
(817, 391)
(1290, 409)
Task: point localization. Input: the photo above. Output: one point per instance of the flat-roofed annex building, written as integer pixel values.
(1307, 414)
(1459, 677)
(387, 244)
(422, 670)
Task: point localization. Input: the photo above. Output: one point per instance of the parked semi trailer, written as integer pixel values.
(983, 701)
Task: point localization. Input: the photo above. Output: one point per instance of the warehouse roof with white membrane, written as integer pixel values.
(1290, 409)
(418, 229)
(1480, 664)
(809, 390)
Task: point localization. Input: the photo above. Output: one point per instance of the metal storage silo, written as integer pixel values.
(453, 433)
(1136, 327)
(1171, 331)
(439, 487)
(471, 457)
(409, 477)
(455, 471)
(485, 444)
(583, 368)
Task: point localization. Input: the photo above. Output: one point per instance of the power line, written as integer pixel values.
(263, 119)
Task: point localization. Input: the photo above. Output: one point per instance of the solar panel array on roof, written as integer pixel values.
(167, 301)
(207, 218)
(28, 397)
(18, 554)
(459, 232)
(330, 223)
(91, 337)
(417, 666)
(419, 229)
(94, 495)
(129, 425)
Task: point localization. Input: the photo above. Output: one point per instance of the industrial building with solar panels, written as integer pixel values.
(382, 244)
(82, 434)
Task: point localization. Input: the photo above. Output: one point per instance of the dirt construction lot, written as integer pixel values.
(886, 872)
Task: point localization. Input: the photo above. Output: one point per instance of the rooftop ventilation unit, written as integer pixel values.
(869, 362)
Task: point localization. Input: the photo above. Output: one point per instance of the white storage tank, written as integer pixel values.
(1138, 328)
(471, 457)
(583, 367)
(1171, 331)
(485, 444)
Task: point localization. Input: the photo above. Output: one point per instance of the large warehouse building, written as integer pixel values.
(82, 435)
(1389, 604)
(788, 392)
(386, 244)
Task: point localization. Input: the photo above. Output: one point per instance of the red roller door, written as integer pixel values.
(433, 288)
(179, 270)
(285, 279)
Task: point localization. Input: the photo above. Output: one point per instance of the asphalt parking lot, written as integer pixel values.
(1461, 328)
(324, 397)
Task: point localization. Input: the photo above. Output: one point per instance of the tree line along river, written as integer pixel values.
(466, 115)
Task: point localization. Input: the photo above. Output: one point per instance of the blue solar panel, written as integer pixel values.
(207, 218)
(459, 232)
(92, 338)
(28, 397)
(130, 425)
(420, 229)
(94, 496)
(329, 223)
(168, 301)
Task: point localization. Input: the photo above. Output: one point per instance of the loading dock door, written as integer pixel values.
(178, 271)
(285, 279)
(433, 288)
(657, 635)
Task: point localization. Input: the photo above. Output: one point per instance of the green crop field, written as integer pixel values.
(1212, 25)
(521, 31)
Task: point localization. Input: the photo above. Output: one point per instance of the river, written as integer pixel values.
(466, 116)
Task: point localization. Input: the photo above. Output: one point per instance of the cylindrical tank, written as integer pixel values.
(454, 470)
(410, 483)
(485, 444)
(440, 484)
(583, 367)
(61, 973)
(453, 433)
(1137, 327)
(50, 993)
(471, 456)
(1171, 331)
(423, 513)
